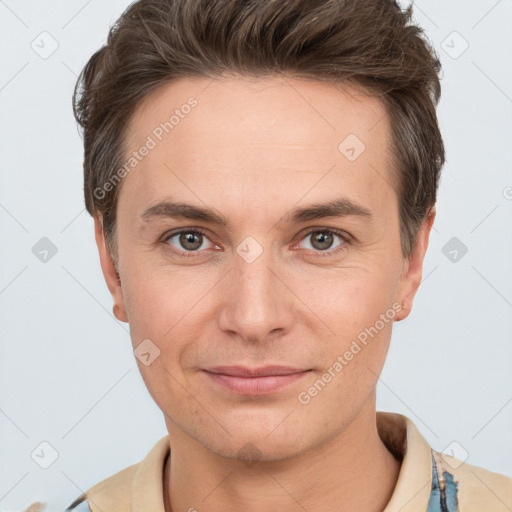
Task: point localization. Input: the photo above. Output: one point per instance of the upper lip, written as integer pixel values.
(263, 371)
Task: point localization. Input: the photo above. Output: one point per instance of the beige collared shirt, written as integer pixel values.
(428, 481)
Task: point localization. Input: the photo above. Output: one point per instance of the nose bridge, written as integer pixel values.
(256, 301)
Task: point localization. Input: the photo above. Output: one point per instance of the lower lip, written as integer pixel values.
(254, 385)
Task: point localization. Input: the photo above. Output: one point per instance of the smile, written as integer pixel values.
(255, 382)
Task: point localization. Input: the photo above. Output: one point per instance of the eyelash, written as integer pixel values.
(320, 254)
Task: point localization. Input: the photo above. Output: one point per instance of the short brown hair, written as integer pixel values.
(370, 43)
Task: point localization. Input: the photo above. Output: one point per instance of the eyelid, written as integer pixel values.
(336, 231)
(340, 233)
(329, 252)
(187, 254)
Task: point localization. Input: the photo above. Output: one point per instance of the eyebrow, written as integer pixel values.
(341, 207)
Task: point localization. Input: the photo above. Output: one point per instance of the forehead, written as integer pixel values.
(248, 103)
(235, 133)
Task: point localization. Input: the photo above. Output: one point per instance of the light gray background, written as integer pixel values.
(68, 374)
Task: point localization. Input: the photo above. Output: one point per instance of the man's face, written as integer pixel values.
(265, 289)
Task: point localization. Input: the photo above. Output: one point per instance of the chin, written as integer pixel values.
(251, 451)
(258, 438)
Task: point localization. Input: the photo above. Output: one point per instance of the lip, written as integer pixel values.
(254, 381)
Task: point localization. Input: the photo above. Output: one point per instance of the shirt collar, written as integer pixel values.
(414, 484)
(398, 433)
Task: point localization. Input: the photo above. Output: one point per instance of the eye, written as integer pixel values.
(186, 241)
(322, 241)
(189, 242)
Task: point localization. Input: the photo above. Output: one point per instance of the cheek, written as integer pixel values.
(352, 363)
(170, 308)
(356, 298)
(358, 309)
(153, 306)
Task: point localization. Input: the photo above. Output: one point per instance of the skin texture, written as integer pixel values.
(253, 150)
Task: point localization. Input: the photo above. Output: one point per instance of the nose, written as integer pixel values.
(257, 303)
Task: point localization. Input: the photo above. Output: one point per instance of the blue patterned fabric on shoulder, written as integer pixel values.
(79, 505)
(443, 496)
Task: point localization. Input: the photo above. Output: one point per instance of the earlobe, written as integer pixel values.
(119, 313)
(413, 267)
(109, 270)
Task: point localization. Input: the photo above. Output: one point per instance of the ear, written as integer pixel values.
(413, 267)
(109, 271)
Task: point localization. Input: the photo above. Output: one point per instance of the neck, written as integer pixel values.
(354, 470)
